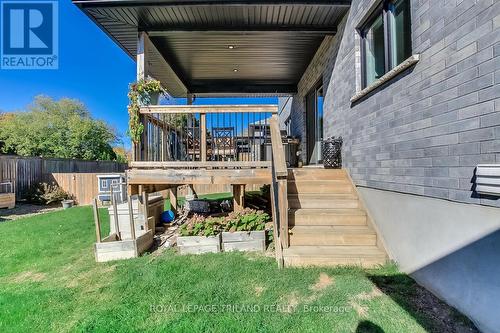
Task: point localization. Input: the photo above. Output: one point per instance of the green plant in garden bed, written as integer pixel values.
(201, 226)
(246, 220)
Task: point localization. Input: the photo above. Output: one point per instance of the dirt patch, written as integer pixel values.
(324, 281)
(355, 301)
(368, 296)
(430, 312)
(361, 310)
(25, 210)
(29, 276)
(85, 279)
(259, 290)
(445, 318)
(291, 302)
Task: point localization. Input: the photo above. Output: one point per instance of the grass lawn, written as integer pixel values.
(49, 282)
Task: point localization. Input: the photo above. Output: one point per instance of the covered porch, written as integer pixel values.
(217, 49)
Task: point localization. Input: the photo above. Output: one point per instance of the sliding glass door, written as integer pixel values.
(314, 125)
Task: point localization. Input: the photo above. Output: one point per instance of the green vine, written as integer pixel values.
(140, 95)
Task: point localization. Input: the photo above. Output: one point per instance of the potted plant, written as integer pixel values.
(200, 235)
(67, 203)
(245, 231)
(142, 93)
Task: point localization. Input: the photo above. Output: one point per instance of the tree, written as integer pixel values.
(62, 128)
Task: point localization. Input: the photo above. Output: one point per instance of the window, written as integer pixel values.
(104, 183)
(386, 39)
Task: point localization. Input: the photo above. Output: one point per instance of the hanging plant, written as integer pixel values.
(140, 94)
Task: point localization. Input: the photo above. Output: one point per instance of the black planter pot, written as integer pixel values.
(332, 153)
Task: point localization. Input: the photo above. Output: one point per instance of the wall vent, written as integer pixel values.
(488, 179)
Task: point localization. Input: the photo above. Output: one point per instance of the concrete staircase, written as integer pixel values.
(328, 225)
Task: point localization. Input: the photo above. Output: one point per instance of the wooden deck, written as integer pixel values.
(328, 224)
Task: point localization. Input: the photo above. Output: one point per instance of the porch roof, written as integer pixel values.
(221, 47)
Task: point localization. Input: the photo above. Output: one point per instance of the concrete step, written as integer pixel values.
(328, 256)
(308, 217)
(322, 201)
(332, 235)
(317, 174)
(320, 186)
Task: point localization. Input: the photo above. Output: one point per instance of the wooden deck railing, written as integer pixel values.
(279, 191)
(205, 136)
(216, 137)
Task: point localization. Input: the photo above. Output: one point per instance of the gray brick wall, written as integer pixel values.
(424, 132)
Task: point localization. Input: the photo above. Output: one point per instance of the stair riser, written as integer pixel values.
(317, 173)
(295, 203)
(317, 177)
(323, 219)
(366, 262)
(313, 187)
(332, 239)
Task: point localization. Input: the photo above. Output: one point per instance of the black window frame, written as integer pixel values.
(382, 9)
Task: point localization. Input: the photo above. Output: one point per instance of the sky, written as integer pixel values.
(92, 69)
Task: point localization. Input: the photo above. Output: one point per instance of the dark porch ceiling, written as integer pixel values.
(273, 41)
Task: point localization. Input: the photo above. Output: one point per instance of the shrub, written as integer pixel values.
(45, 194)
(246, 220)
(201, 226)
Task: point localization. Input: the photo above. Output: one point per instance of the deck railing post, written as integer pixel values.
(172, 193)
(145, 207)
(279, 189)
(115, 214)
(238, 197)
(203, 136)
(97, 221)
(131, 217)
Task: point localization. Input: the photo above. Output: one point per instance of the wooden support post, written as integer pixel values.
(283, 211)
(131, 217)
(203, 136)
(276, 233)
(115, 213)
(142, 74)
(238, 197)
(145, 208)
(172, 193)
(97, 221)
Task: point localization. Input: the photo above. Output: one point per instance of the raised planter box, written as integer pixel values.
(198, 244)
(244, 241)
(112, 249)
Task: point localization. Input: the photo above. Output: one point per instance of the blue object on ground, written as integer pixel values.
(167, 216)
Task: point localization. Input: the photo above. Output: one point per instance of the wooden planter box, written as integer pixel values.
(112, 249)
(198, 244)
(155, 208)
(244, 241)
(7, 200)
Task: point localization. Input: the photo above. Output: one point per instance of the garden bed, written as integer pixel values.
(244, 241)
(199, 244)
(235, 231)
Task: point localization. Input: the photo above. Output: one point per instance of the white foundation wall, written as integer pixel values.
(450, 248)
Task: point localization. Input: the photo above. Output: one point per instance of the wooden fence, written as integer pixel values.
(77, 177)
(24, 172)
